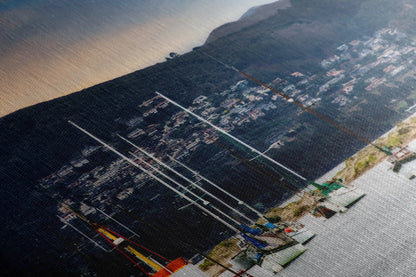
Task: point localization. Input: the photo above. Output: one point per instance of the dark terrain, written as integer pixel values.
(37, 140)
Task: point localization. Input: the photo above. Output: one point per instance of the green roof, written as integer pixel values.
(328, 187)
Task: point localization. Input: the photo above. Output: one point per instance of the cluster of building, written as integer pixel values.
(367, 64)
(359, 66)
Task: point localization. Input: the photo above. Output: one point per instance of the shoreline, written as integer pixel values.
(110, 53)
(327, 176)
(368, 229)
(339, 167)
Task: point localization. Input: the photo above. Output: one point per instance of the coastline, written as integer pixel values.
(339, 167)
(331, 173)
(62, 66)
(367, 234)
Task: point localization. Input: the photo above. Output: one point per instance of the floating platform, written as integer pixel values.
(189, 270)
(255, 270)
(324, 211)
(274, 262)
(302, 235)
(259, 271)
(344, 197)
(180, 268)
(247, 266)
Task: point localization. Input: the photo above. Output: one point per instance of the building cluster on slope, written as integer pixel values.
(360, 66)
(372, 62)
(360, 61)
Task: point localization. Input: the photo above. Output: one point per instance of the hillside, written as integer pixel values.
(251, 17)
(37, 141)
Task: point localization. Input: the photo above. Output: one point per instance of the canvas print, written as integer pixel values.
(208, 138)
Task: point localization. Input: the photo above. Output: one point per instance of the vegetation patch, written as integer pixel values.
(368, 157)
(398, 165)
(294, 210)
(222, 253)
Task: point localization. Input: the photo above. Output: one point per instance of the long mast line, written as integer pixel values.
(182, 242)
(121, 224)
(178, 240)
(185, 178)
(83, 234)
(155, 177)
(233, 137)
(239, 201)
(290, 99)
(207, 203)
